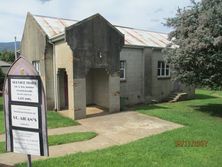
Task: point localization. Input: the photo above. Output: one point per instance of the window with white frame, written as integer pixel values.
(163, 69)
(36, 64)
(122, 70)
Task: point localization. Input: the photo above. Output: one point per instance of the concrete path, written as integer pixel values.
(112, 129)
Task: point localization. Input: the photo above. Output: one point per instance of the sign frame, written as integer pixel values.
(31, 104)
(39, 116)
(27, 105)
(10, 77)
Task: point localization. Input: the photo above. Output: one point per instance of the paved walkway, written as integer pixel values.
(112, 129)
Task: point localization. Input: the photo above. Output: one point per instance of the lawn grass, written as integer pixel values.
(62, 139)
(1, 116)
(70, 138)
(54, 120)
(202, 120)
(2, 147)
(2, 126)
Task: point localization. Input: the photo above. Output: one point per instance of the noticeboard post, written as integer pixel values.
(25, 110)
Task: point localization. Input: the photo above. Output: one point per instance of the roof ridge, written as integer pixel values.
(52, 17)
(158, 32)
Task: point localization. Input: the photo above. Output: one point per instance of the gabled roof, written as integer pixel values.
(95, 17)
(53, 27)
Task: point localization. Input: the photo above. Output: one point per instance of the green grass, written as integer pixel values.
(1, 122)
(54, 120)
(2, 147)
(62, 139)
(70, 138)
(202, 118)
(1, 116)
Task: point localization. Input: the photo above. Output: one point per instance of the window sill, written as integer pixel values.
(163, 77)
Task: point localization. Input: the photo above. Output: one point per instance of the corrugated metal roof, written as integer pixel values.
(55, 26)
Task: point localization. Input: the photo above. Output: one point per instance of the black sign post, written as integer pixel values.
(29, 160)
(25, 111)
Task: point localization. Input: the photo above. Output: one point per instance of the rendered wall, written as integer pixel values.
(33, 44)
(35, 48)
(64, 60)
(79, 98)
(142, 84)
(89, 88)
(95, 44)
(161, 87)
(133, 87)
(49, 79)
(114, 93)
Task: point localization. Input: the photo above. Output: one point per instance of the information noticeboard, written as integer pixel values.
(25, 89)
(25, 106)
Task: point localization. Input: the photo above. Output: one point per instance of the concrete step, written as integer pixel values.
(176, 96)
(179, 97)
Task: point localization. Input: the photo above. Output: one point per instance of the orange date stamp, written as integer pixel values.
(191, 143)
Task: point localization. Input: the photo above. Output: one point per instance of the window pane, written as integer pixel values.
(167, 72)
(159, 64)
(122, 69)
(36, 64)
(122, 64)
(122, 74)
(37, 67)
(162, 72)
(162, 64)
(158, 71)
(163, 69)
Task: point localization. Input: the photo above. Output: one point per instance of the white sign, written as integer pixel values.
(25, 116)
(24, 90)
(26, 142)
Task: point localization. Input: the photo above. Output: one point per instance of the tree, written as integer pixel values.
(7, 56)
(197, 37)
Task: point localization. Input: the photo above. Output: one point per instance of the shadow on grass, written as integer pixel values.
(203, 96)
(212, 109)
(150, 107)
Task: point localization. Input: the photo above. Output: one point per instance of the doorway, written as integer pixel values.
(97, 92)
(63, 89)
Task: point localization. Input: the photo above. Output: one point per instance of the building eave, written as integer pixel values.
(61, 37)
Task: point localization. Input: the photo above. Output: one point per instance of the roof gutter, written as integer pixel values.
(61, 37)
(142, 47)
(57, 38)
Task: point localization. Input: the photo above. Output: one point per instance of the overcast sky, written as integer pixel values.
(145, 14)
